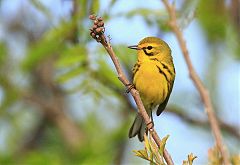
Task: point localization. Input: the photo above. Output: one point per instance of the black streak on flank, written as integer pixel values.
(161, 72)
(164, 66)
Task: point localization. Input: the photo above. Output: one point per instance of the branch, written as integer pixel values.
(52, 105)
(97, 32)
(198, 83)
(32, 139)
(228, 128)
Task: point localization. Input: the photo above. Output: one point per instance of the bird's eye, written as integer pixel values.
(149, 47)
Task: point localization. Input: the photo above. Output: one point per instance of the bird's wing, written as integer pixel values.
(162, 106)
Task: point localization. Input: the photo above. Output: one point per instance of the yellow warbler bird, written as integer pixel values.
(153, 77)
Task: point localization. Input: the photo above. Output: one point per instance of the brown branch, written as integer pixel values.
(97, 32)
(52, 104)
(32, 139)
(198, 83)
(178, 112)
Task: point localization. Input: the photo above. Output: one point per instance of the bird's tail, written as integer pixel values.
(138, 127)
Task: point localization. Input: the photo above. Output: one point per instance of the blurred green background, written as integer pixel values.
(62, 103)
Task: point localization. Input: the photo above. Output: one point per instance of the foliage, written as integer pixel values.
(190, 159)
(152, 152)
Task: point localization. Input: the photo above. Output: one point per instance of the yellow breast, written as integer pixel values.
(151, 84)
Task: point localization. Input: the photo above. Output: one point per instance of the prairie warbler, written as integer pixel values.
(153, 77)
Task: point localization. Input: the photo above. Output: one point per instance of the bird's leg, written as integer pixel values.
(150, 125)
(129, 87)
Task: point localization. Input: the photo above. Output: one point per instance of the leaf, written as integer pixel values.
(71, 56)
(213, 18)
(185, 162)
(153, 163)
(70, 74)
(10, 93)
(214, 156)
(49, 45)
(145, 12)
(191, 157)
(69, 61)
(146, 142)
(3, 53)
(235, 159)
(95, 5)
(107, 75)
(112, 3)
(154, 151)
(151, 156)
(162, 145)
(38, 5)
(141, 153)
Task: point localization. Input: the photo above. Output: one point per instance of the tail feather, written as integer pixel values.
(138, 128)
(141, 132)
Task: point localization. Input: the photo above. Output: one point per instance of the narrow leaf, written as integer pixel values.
(185, 162)
(191, 157)
(70, 75)
(39, 5)
(72, 56)
(146, 142)
(141, 153)
(162, 145)
(156, 155)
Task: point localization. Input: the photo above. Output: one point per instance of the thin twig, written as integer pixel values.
(52, 106)
(226, 127)
(198, 83)
(98, 34)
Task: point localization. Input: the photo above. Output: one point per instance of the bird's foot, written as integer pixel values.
(129, 87)
(150, 125)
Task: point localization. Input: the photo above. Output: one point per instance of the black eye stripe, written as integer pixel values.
(149, 47)
(148, 54)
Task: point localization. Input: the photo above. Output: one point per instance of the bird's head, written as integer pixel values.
(152, 47)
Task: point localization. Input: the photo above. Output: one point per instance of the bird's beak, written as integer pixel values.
(134, 47)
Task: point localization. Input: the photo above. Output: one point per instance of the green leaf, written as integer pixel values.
(70, 74)
(214, 156)
(95, 5)
(107, 75)
(151, 157)
(10, 93)
(162, 145)
(153, 163)
(185, 162)
(141, 153)
(146, 142)
(38, 5)
(112, 3)
(154, 151)
(71, 56)
(51, 44)
(3, 53)
(235, 159)
(145, 12)
(213, 18)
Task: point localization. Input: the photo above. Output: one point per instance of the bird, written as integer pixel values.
(153, 78)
